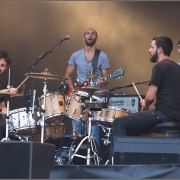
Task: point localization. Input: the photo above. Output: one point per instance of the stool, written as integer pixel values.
(170, 129)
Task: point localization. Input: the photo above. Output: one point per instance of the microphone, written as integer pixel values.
(66, 38)
(63, 86)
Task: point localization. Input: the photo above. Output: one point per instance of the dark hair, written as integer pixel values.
(4, 55)
(165, 43)
(178, 43)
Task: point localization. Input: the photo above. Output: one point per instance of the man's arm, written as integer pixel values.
(68, 75)
(150, 97)
(3, 108)
(101, 81)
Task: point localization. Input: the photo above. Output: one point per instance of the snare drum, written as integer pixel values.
(54, 107)
(73, 106)
(21, 122)
(109, 114)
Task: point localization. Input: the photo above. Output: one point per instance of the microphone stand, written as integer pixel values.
(44, 54)
(127, 86)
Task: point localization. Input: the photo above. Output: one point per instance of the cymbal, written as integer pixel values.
(89, 89)
(91, 76)
(44, 75)
(101, 92)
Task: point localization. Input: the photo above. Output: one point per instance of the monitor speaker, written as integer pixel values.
(26, 159)
(142, 150)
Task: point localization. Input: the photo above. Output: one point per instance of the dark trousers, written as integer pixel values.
(2, 127)
(136, 124)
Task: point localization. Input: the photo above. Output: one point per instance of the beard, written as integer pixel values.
(153, 58)
(90, 42)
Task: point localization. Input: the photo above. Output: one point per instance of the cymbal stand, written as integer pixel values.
(91, 79)
(43, 110)
(91, 145)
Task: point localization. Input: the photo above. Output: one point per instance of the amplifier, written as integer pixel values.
(127, 102)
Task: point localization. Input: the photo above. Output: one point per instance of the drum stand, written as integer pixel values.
(91, 146)
(43, 110)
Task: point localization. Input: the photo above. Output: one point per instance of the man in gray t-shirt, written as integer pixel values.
(81, 60)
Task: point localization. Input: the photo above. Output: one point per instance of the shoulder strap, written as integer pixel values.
(95, 60)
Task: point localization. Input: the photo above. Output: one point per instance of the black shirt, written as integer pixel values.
(166, 76)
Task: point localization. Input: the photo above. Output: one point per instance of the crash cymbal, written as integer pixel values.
(44, 75)
(91, 76)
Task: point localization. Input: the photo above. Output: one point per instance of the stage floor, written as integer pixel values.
(155, 171)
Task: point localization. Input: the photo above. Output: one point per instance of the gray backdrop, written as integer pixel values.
(125, 30)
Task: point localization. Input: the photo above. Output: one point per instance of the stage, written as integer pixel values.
(134, 158)
(155, 171)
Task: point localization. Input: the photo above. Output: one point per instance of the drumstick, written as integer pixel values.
(22, 82)
(137, 91)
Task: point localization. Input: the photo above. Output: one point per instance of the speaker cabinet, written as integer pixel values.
(140, 150)
(26, 159)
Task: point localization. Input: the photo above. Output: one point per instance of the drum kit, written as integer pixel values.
(82, 105)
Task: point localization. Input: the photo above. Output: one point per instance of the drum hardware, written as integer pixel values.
(91, 145)
(107, 132)
(45, 75)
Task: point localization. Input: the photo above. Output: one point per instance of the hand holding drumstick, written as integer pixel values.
(11, 90)
(142, 101)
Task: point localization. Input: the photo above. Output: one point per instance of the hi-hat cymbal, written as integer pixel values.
(91, 76)
(44, 75)
(89, 89)
(101, 92)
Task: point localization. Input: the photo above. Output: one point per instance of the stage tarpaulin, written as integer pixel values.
(116, 172)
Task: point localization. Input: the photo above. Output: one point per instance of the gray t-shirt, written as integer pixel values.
(84, 67)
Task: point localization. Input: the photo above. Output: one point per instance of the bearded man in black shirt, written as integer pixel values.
(164, 89)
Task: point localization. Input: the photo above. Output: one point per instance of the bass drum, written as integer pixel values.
(68, 147)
